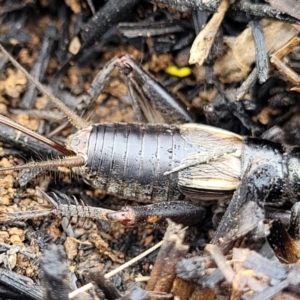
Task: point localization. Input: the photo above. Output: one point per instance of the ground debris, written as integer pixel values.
(244, 78)
(247, 274)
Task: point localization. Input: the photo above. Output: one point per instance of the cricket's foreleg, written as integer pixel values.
(246, 208)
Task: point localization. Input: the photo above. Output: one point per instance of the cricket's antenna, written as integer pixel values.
(78, 122)
(6, 121)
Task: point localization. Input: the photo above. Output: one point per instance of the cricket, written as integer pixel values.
(155, 163)
(149, 149)
(152, 163)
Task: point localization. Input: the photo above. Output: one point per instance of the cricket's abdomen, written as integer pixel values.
(129, 160)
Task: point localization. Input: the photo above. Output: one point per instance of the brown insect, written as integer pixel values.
(148, 163)
(152, 163)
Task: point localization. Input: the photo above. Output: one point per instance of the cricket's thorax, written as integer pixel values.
(281, 164)
(129, 160)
